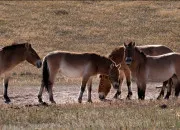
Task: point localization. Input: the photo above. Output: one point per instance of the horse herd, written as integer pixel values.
(142, 63)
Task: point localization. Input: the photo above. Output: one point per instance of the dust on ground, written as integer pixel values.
(69, 93)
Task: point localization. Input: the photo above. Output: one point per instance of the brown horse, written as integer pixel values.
(75, 65)
(146, 68)
(117, 55)
(12, 55)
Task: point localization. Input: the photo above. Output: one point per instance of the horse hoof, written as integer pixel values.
(89, 101)
(159, 97)
(44, 104)
(79, 101)
(166, 98)
(7, 101)
(53, 102)
(128, 98)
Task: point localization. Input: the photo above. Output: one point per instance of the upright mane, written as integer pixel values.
(101, 61)
(13, 46)
(141, 52)
(117, 55)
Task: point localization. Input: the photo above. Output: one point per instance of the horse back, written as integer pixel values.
(154, 50)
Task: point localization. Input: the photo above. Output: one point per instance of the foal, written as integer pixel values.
(75, 65)
(11, 56)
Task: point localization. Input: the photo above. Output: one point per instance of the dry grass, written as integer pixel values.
(119, 115)
(87, 26)
(93, 26)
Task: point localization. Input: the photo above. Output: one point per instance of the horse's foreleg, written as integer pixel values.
(161, 94)
(83, 86)
(5, 83)
(128, 82)
(119, 89)
(121, 79)
(141, 91)
(89, 90)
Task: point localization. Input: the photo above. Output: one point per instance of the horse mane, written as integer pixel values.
(99, 58)
(141, 52)
(117, 54)
(13, 46)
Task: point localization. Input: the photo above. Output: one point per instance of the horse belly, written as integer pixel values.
(160, 75)
(72, 71)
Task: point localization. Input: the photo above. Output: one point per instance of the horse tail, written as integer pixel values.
(45, 73)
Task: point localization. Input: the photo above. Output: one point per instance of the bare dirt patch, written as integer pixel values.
(27, 95)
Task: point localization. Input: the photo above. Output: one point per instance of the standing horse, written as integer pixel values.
(117, 55)
(12, 55)
(75, 65)
(146, 68)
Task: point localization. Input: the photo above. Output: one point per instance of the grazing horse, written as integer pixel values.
(117, 55)
(12, 55)
(75, 65)
(146, 68)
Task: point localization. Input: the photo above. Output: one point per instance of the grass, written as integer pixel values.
(87, 26)
(119, 115)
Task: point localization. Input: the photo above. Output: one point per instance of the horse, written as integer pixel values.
(145, 68)
(73, 65)
(117, 55)
(11, 56)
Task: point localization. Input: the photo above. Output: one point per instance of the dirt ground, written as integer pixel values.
(27, 95)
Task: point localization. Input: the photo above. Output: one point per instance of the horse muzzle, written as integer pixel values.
(101, 96)
(128, 60)
(39, 64)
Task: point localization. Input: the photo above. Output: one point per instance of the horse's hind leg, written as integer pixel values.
(177, 89)
(161, 94)
(40, 93)
(141, 91)
(169, 88)
(5, 82)
(89, 84)
(83, 86)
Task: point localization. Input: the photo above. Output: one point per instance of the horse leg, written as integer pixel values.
(127, 73)
(89, 84)
(40, 93)
(169, 87)
(83, 86)
(52, 74)
(141, 91)
(177, 89)
(121, 77)
(161, 94)
(5, 82)
(51, 99)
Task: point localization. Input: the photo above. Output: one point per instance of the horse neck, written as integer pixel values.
(12, 57)
(139, 57)
(117, 55)
(103, 65)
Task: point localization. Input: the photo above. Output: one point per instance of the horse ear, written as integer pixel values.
(125, 44)
(27, 45)
(112, 65)
(134, 43)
